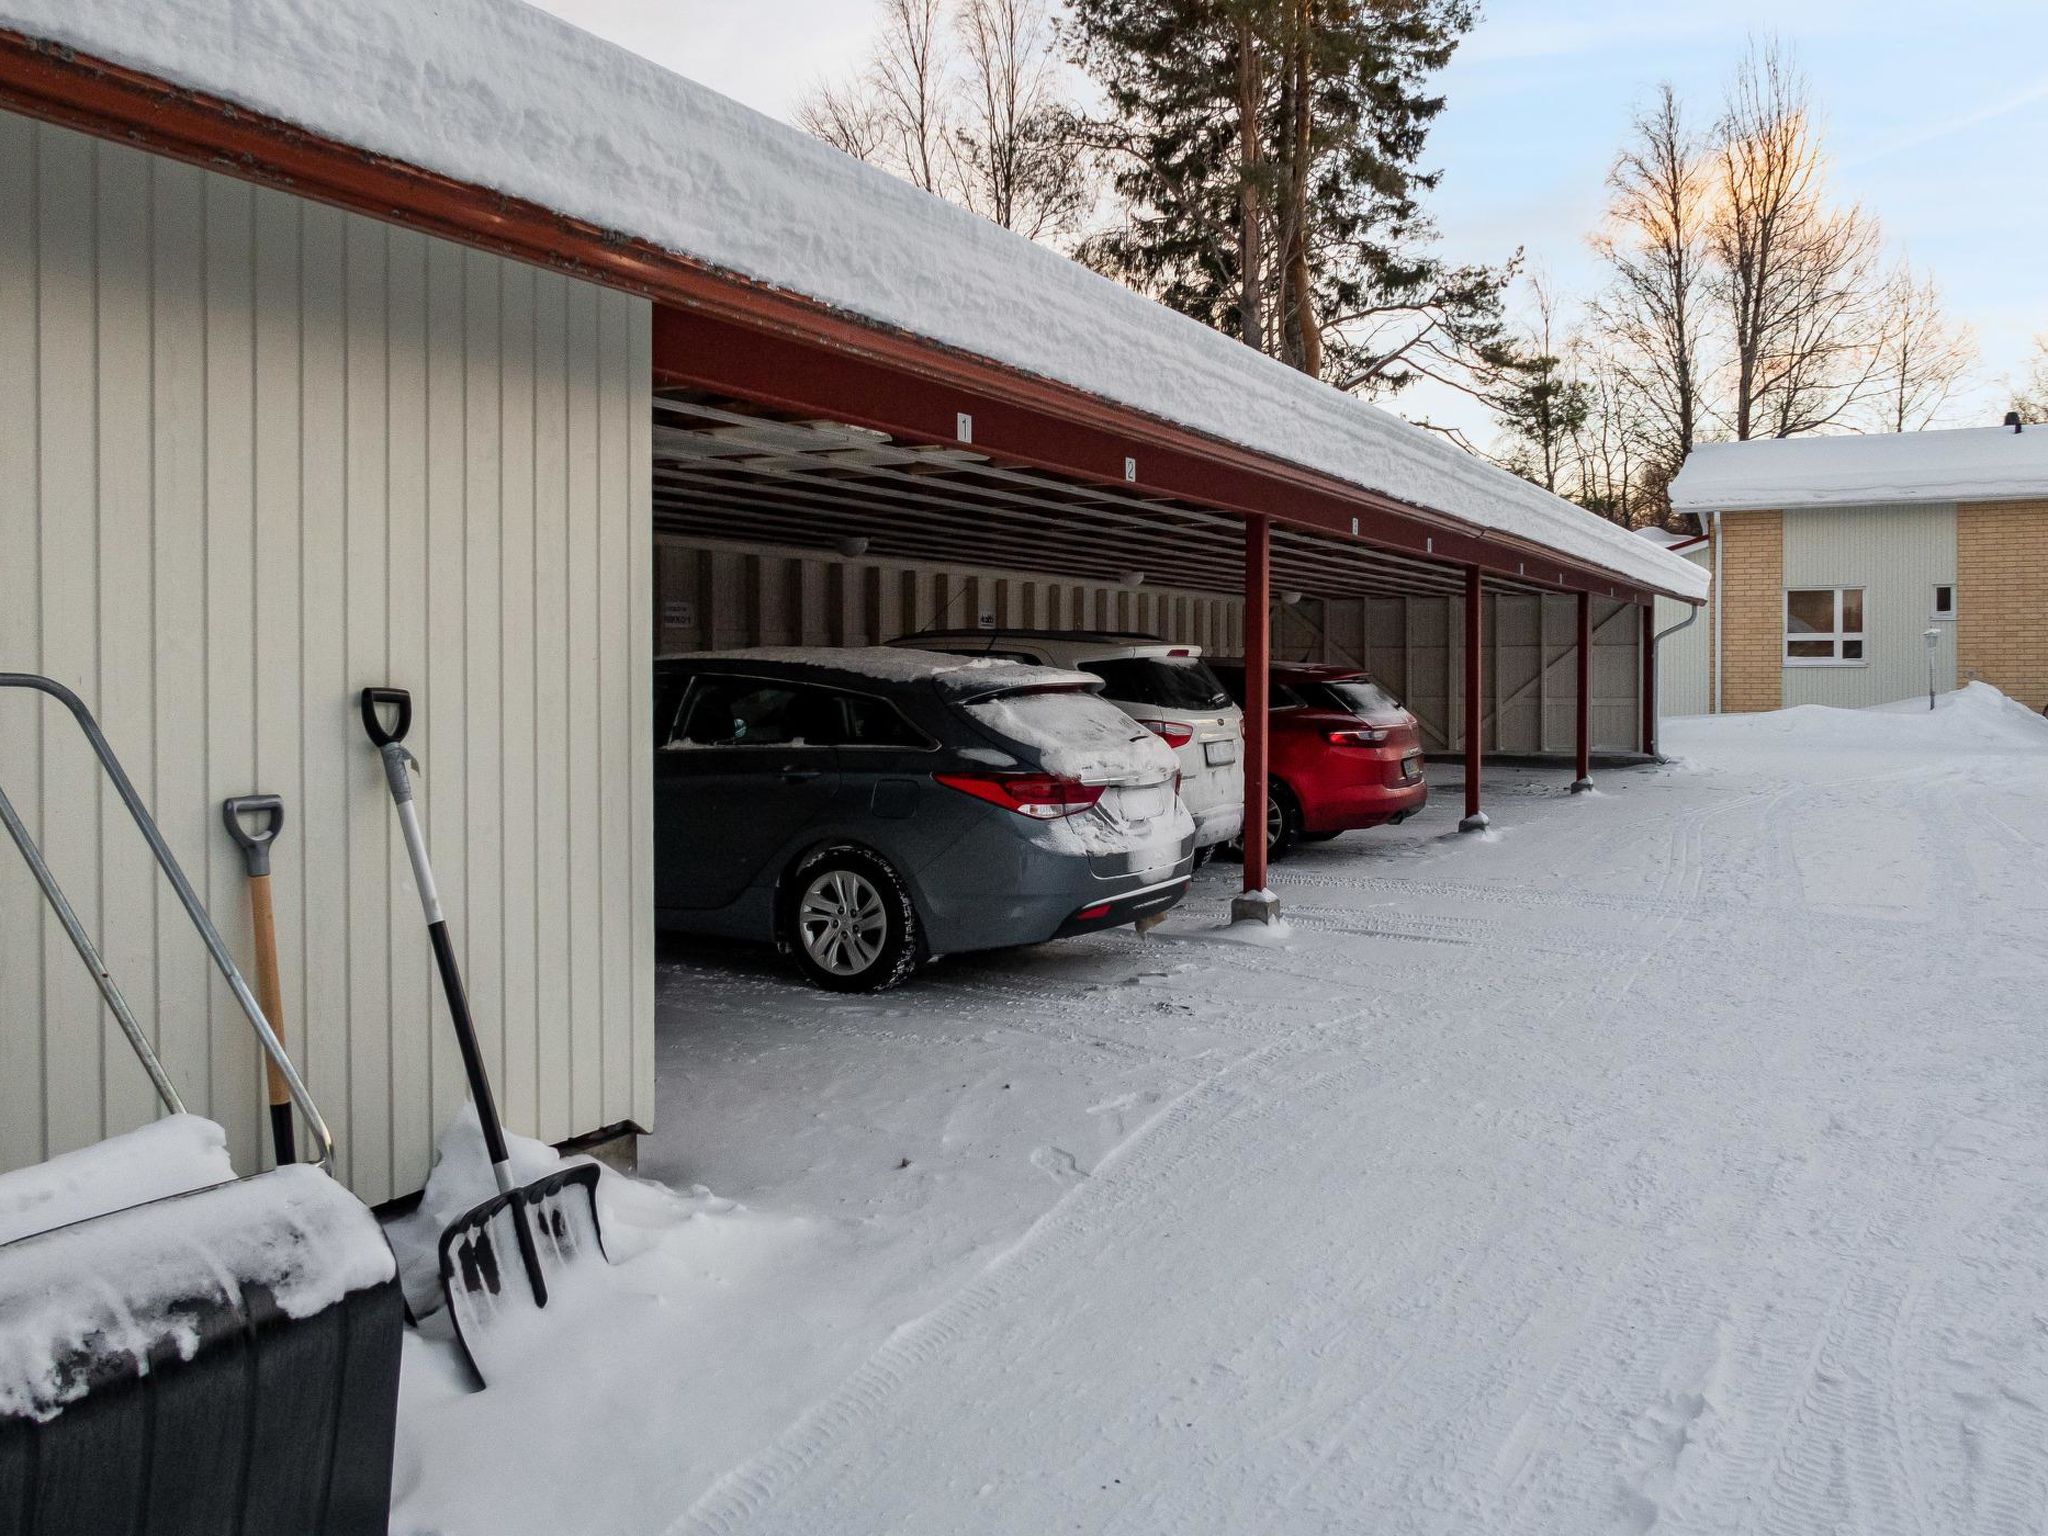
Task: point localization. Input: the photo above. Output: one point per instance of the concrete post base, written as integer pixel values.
(1255, 907)
(1476, 822)
(1581, 786)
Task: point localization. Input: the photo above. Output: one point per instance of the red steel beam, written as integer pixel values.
(1475, 818)
(718, 331)
(1258, 652)
(1649, 683)
(1583, 712)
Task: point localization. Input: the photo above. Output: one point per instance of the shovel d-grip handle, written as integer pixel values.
(373, 722)
(255, 845)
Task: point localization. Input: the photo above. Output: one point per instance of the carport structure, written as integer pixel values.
(504, 280)
(876, 446)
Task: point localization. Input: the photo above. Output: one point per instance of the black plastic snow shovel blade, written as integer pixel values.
(484, 1276)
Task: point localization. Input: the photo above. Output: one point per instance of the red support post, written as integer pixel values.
(1649, 679)
(1583, 713)
(1475, 818)
(1256, 903)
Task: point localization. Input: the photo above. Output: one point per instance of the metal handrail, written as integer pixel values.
(168, 863)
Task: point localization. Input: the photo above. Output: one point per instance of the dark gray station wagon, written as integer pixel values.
(868, 809)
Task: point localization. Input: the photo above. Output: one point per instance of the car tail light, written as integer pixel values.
(1366, 737)
(1038, 795)
(1089, 914)
(1172, 732)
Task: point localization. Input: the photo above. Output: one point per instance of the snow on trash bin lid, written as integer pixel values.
(165, 1157)
(102, 1296)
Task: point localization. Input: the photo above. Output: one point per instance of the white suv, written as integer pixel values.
(1168, 688)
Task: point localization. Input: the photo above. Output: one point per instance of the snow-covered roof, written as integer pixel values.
(1971, 464)
(498, 94)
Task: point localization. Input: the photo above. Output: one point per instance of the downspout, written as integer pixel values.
(1718, 643)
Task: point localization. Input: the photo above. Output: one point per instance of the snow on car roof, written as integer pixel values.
(499, 94)
(1969, 464)
(957, 676)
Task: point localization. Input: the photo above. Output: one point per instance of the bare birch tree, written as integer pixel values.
(2030, 395)
(1010, 150)
(846, 117)
(1921, 356)
(1654, 311)
(909, 72)
(1797, 277)
(896, 113)
(962, 98)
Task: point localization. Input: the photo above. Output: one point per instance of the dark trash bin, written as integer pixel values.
(224, 1360)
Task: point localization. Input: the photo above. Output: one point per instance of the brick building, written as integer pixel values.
(1842, 565)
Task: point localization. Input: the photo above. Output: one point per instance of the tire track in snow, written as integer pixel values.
(1187, 1129)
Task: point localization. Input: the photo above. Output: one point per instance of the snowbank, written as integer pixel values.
(1973, 464)
(1078, 736)
(140, 1280)
(1977, 717)
(641, 1329)
(165, 1157)
(496, 93)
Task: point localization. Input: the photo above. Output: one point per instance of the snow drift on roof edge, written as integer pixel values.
(499, 94)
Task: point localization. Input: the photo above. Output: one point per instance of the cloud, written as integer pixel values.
(1961, 122)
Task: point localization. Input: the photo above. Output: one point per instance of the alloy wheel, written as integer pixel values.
(843, 922)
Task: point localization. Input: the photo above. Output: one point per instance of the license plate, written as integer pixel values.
(1217, 753)
(1411, 767)
(1144, 804)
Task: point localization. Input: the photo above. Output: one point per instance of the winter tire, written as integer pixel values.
(849, 921)
(1283, 824)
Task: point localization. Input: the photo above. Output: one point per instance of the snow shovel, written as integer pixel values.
(255, 848)
(550, 1223)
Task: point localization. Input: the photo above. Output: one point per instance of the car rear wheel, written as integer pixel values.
(1283, 824)
(849, 921)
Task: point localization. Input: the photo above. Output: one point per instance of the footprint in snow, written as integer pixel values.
(1058, 1164)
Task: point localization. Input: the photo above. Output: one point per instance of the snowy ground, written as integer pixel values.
(1673, 1157)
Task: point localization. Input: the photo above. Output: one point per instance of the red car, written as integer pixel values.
(1341, 753)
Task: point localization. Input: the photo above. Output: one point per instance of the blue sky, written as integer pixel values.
(1937, 116)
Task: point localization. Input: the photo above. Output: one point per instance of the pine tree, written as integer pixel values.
(1267, 154)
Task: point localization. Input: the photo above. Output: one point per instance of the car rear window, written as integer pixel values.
(1170, 682)
(751, 712)
(1362, 697)
(1075, 735)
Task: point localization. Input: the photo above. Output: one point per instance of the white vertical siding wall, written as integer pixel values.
(1683, 684)
(1896, 554)
(258, 454)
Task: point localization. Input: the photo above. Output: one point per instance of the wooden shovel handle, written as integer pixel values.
(269, 990)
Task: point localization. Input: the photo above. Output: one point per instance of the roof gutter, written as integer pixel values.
(1717, 613)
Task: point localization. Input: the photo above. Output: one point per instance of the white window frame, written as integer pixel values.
(1833, 638)
(1934, 608)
